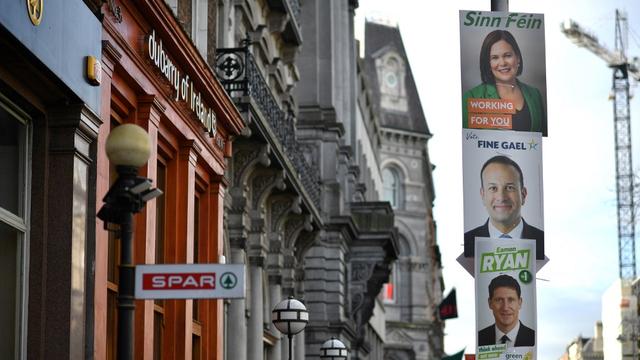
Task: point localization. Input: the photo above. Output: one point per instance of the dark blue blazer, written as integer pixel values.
(528, 232)
(526, 336)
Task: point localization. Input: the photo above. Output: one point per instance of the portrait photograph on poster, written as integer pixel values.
(502, 187)
(505, 299)
(502, 58)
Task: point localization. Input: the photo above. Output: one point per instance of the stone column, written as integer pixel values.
(298, 346)
(237, 330)
(255, 346)
(275, 296)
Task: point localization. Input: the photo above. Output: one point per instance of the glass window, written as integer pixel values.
(12, 162)
(197, 323)
(14, 140)
(10, 293)
(389, 290)
(391, 187)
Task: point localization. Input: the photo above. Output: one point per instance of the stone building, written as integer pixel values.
(285, 157)
(413, 328)
(582, 348)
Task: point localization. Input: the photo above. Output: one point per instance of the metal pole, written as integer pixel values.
(290, 343)
(499, 5)
(126, 307)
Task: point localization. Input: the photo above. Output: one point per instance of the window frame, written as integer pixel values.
(22, 225)
(397, 190)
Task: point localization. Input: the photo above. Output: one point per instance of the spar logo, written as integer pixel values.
(187, 281)
(228, 280)
(190, 281)
(179, 281)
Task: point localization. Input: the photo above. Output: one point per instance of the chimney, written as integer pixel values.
(597, 337)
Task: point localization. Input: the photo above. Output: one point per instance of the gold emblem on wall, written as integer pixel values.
(35, 8)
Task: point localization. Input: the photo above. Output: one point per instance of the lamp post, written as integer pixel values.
(127, 147)
(290, 317)
(333, 349)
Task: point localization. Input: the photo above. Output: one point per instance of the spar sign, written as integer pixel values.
(190, 281)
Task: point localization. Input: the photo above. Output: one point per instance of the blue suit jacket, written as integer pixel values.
(528, 232)
(526, 336)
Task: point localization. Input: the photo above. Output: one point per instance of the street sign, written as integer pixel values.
(190, 281)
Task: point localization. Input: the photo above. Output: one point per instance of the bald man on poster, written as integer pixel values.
(503, 194)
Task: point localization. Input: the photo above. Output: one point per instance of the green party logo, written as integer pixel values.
(505, 259)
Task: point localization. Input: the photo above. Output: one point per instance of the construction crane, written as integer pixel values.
(622, 68)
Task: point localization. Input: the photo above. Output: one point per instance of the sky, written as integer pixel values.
(578, 156)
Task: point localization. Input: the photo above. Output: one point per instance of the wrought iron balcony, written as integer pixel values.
(295, 9)
(239, 74)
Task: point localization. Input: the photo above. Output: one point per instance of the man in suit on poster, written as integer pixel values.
(503, 194)
(505, 301)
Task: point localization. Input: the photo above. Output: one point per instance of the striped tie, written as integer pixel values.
(504, 339)
(505, 236)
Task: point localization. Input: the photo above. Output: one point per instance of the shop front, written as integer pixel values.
(48, 128)
(154, 76)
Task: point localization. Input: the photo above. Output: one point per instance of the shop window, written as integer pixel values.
(390, 290)
(14, 224)
(196, 349)
(196, 321)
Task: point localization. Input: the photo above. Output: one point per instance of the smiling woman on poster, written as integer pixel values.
(501, 63)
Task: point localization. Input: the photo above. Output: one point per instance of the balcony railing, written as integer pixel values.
(239, 74)
(295, 9)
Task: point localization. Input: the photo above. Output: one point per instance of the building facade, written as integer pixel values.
(413, 327)
(582, 348)
(49, 121)
(273, 148)
(157, 74)
(620, 321)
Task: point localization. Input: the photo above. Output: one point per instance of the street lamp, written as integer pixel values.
(290, 317)
(333, 349)
(128, 148)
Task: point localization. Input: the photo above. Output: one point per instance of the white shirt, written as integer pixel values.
(516, 233)
(511, 335)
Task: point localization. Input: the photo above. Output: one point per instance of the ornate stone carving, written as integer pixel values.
(263, 184)
(246, 158)
(293, 228)
(361, 271)
(278, 209)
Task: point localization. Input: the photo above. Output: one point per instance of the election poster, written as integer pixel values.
(502, 57)
(502, 180)
(506, 323)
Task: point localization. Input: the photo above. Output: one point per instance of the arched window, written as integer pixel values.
(391, 187)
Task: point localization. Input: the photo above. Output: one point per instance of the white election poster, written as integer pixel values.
(502, 179)
(505, 299)
(502, 58)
